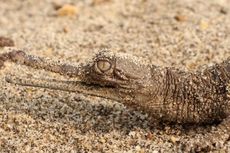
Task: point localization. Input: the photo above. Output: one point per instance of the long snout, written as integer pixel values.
(71, 86)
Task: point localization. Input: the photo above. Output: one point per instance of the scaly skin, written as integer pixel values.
(166, 94)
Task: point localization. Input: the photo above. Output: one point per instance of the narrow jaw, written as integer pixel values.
(109, 92)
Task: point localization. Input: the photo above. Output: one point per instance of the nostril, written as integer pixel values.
(6, 42)
(17, 56)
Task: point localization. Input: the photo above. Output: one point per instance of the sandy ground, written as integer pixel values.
(182, 33)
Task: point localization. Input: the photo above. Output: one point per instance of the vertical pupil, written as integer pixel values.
(103, 65)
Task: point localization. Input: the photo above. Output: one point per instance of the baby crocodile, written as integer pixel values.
(167, 94)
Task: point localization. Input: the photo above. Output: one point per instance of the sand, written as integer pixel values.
(187, 34)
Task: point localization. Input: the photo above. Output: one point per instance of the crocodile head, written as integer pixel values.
(115, 70)
(110, 75)
(120, 76)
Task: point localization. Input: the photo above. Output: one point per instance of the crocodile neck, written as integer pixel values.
(185, 97)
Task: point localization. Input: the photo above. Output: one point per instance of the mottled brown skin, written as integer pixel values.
(166, 94)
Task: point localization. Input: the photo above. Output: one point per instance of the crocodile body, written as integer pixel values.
(167, 94)
(184, 97)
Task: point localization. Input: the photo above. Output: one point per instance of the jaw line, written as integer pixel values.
(107, 92)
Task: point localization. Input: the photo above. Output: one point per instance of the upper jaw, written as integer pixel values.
(71, 86)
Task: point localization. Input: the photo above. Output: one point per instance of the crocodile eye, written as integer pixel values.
(103, 66)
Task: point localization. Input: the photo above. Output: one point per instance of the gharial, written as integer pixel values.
(167, 94)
